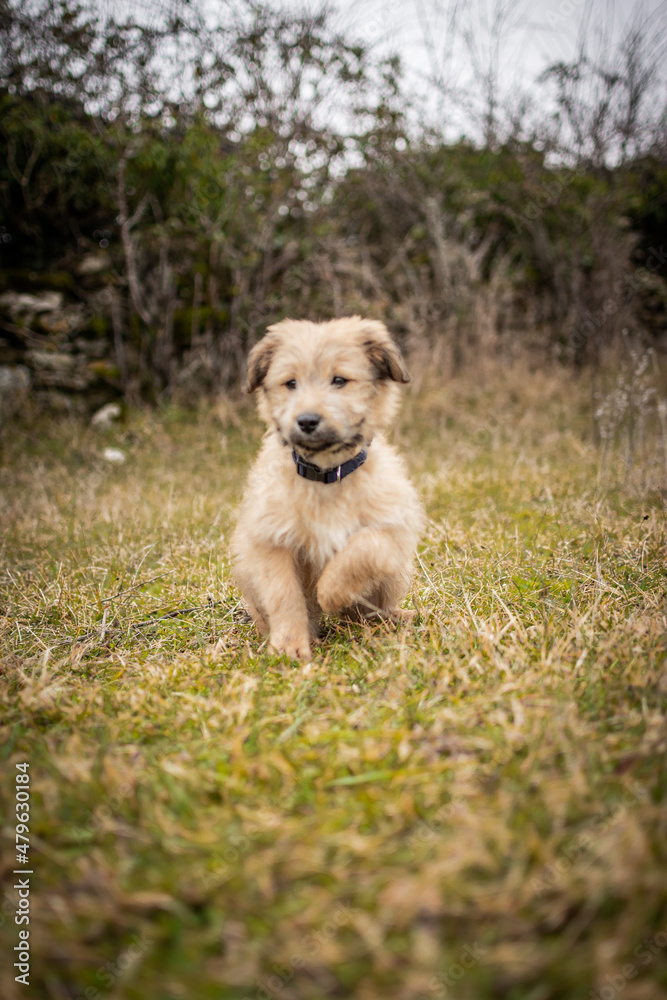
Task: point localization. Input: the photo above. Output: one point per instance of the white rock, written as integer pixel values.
(65, 320)
(14, 378)
(14, 388)
(113, 455)
(21, 303)
(55, 361)
(106, 415)
(92, 263)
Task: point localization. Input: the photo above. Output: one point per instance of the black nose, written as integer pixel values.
(308, 422)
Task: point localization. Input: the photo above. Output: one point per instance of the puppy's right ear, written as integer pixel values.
(259, 361)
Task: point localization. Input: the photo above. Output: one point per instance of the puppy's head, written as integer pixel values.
(327, 388)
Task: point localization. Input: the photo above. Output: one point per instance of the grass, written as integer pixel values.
(473, 806)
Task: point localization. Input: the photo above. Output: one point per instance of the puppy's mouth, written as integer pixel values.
(313, 444)
(313, 437)
(309, 445)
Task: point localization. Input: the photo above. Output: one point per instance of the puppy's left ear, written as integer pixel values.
(383, 353)
(259, 361)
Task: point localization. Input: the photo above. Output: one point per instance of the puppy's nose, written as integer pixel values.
(308, 422)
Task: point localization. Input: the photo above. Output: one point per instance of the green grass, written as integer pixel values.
(472, 806)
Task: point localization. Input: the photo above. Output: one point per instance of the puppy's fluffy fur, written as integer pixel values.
(303, 547)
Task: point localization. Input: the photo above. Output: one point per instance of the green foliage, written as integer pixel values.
(646, 183)
(54, 180)
(268, 167)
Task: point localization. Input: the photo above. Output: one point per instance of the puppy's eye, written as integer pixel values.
(291, 384)
(339, 381)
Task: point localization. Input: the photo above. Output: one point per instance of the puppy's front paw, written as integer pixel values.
(334, 594)
(297, 647)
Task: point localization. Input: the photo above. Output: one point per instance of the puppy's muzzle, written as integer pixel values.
(308, 422)
(311, 434)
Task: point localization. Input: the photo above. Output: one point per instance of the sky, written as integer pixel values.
(535, 33)
(532, 36)
(441, 62)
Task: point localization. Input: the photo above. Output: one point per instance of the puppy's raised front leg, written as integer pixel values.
(374, 564)
(278, 593)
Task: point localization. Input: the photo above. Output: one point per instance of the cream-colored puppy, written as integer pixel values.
(329, 520)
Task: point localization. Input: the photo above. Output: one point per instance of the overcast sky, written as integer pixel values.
(437, 59)
(536, 34)
(533, 35)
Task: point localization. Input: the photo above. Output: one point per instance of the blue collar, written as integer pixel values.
(317, 475)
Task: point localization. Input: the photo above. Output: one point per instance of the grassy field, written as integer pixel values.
(470, 806)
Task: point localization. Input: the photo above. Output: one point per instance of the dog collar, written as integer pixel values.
(317, 475)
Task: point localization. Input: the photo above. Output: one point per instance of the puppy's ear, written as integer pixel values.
(259, 361)
(383, 353)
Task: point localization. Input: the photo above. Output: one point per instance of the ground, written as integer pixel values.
(470, 805)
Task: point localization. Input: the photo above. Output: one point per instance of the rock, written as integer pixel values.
(54, 401)
(23, 304)
(93, 263)
(54, 361)
(76, 381)
(105, 417)
(62, 322)
(57, 369)
(15, 378)
(14, 389)
(113, 455)
(91, 348)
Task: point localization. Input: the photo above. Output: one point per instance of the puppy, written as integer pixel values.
(329, 520)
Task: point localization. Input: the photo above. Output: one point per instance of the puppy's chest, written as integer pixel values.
(322, 527)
